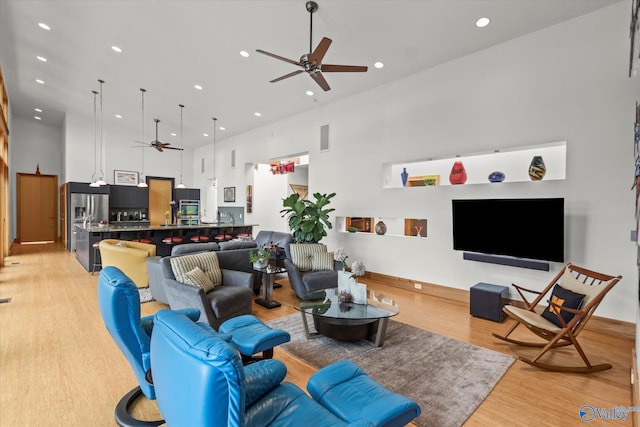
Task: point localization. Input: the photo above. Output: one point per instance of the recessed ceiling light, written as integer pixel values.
(309, 92)
(222, 128)
(205, 134)
(41, 58)
(198, 87)
(37, 118)
(44, 26)
(482, 22)
(116, 49)
(118, 116)
(244, 53)
(379, 64)
(40, 81)
(37, 110)
(173, 134)
(257, 114)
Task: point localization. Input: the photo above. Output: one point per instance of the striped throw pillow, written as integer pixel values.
(207, 261)
(322, 261)
(302, 254)
(199, 279)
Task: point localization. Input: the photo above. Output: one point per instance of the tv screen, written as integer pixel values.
(522, 228)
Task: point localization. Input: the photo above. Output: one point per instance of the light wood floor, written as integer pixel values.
(59, 366)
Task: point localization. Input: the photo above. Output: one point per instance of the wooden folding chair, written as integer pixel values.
(594, 286)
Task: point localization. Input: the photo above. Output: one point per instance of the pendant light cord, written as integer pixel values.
(101, 133)
(95, 137)
(181, 145)
(215, 184)
(142, 91)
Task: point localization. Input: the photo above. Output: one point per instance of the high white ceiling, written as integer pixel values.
(168, 46)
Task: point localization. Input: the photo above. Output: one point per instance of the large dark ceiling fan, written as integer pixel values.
(312, 62)
(160, 146)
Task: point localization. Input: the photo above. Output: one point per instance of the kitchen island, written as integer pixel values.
(87, 236)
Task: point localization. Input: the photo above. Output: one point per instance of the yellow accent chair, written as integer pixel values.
(129, 257)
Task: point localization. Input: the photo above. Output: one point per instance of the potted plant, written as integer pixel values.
(259, 257)
(308, 220)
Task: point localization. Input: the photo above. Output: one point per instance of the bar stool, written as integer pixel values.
(145, 239)
(172, 240)
(96, 254)
(199, 237)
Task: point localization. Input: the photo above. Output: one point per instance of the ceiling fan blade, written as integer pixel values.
(317, 76)
(286, 76)
(172, 148)
(317, 55)
(281, 58)
(157, 147)
(327, 68)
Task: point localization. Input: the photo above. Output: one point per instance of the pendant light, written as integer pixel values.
(181, 185)
(101, 180)
(94, 181)
(215, 181)
(142, 183)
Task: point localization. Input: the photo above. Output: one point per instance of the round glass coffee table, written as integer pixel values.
(346, 321)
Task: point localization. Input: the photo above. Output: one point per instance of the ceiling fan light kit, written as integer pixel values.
(312, 62)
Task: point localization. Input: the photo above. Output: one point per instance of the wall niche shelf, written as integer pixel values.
(400, 227)
(514, 162)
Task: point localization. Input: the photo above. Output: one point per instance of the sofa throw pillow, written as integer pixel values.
(565, 298)
(207, 261)
(322, 261)
(302, 254)
(199, 279)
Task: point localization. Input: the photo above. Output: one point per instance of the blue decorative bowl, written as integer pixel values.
(496, 176)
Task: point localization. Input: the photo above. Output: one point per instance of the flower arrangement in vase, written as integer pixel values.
(259, 258)
(341, 256)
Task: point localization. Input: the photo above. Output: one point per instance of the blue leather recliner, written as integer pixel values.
(200, 381)
(119, 302)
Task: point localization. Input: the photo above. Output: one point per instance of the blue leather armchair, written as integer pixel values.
(200, 381)
(119, 303)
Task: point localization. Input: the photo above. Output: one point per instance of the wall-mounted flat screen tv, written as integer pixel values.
(522, 228)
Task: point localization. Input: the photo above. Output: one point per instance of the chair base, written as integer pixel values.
(125, 419)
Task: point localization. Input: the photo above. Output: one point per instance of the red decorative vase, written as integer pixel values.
(458, 175)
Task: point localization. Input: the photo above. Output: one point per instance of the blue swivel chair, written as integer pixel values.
(200, 381)
(119, 302)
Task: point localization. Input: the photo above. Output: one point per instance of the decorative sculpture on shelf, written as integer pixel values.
(537, 168)
(458, 175)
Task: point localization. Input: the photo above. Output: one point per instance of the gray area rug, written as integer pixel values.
(145, 295)
(449, 379)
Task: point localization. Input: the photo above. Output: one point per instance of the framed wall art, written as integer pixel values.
(125, 177)
(229, 194)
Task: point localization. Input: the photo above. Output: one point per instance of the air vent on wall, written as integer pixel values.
(324, 138)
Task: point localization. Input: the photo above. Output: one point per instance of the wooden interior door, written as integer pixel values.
(63, 214)
(37, 202)
(160, 196)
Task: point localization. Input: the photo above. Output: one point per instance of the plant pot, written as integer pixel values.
(260, 264)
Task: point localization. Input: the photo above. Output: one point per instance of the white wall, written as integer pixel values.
(567, 82)
(119, 153)
(33, 144)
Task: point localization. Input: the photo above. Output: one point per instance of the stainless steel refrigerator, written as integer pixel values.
(87, 209)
